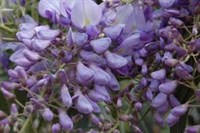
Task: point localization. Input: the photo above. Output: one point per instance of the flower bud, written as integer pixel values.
(65, 96)
(192, 129)
(149, 94)
(80, 38)
(47, 114)
(159, 74)
(171, 62)
(173, 101)
(159, 100)
(179, 110)
(176, 22)
(28, 34)
(83, 73)
(162, 109)
(92, 57)
(94, 119)
(48, 34)
(168, 87)
(7, 94)
(31, 55)
(83, 105)
(115, 61)
(95, 106)
(65, 120)
(10, 85)
(100, 77)
(21, 73)
(40, 45)
(103, 91)
(100, 45)
(113, 84)
(95, 96)
(55, 128)
(114, 31)
(154, 85)
(138, 106)
(61, 76)
(171, 119)
(166, 3)
(159, 119)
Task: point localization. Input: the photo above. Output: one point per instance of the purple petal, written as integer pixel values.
(103, 91)
(83, 73)
(114, 31)
(19, 59)
(100, 45)
(48, 34)
(173, 101)
(159, 74)
(65, 120)
(31, 55)
(168, 87)
(28, 34)
(171, 120)
(83, 105)
(95, 106)
(180, 110)
(65, 96)
(47, 7)
(115, 61)
(86, 12)
(113, 84)
(40, 45)
(55, 128)
(192, 129)
(80, 38)
(154, 85)
(92, 57)
(159, 100)
(47, 114)
(166, 3)
(100, 76)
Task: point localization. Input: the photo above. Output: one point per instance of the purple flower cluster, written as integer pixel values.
(77, 67)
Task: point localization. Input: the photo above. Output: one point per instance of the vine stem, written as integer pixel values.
(7, 28)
